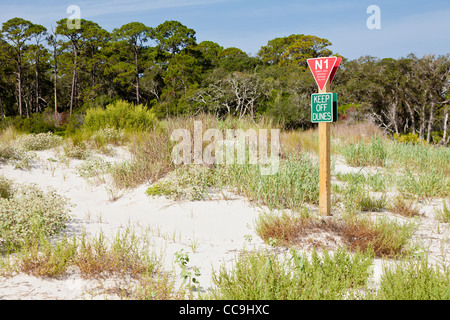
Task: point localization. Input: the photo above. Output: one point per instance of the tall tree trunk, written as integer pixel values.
(422, 123)
(136, 63)
(74, 81)
(444, 137)
(37, 85)
(55, 69)
(1, 109)
(19, 79)
(411, 117)
(430, 122)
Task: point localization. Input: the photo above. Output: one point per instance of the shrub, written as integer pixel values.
(384, 237)
(190, 182)
(265, 276)
(17, 156)
(415, 280)
(36, 123)
(40, 141)
(108, 135)
(412, 138)
(30, 213)
(6, 188)
(120, 115)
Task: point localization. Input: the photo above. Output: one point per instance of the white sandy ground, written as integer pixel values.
(211, 232)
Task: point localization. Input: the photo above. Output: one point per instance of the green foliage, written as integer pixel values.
(412, 138)
(36, 123)
(265, 276)
(424, 185)
(444, 213)
(172, 36)
(187, 182)
(294, 49)
(40, 141)
(415, 280)
(6, 188)
(357, 198)
(31, 213)
(120, 115)
(362, 154)
(295, 183)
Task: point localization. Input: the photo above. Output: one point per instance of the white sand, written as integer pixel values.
(211, 232)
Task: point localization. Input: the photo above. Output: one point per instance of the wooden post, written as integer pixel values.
(324, 164)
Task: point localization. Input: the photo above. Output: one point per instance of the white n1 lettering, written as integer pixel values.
(318, 64)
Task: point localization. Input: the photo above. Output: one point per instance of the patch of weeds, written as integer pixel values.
(76, 151)
(266, 276)
(425, 185)
(17, 156)
(126, 254)
(108, 135)
(356, 198)
(415, 280)
(282, 229)
(93, 168)
(187, 182)
(295, 183)
(384, 237)
(182, 259)
(42, 258)
(151, 160)
(361, 154)
(404, 207)
(444, 213)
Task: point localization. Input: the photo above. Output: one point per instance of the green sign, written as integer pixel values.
(324, 107)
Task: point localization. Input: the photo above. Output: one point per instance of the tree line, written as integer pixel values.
(68, 70)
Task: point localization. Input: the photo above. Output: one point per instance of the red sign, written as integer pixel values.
(323, 69)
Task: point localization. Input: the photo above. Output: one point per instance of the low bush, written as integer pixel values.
(120, 115)
(36, 123)
(6, 188)
(384, 237)
(266, 276)
(415, 280)
(30, 213)
(40, 141)
(188, 182)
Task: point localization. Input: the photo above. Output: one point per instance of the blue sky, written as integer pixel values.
(407, 26)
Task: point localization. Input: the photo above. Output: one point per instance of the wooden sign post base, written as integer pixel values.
(324, 164)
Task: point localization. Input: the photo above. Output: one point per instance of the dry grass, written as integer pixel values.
(282, 229)
(403, 207)
(383, 237)
(354, 133)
